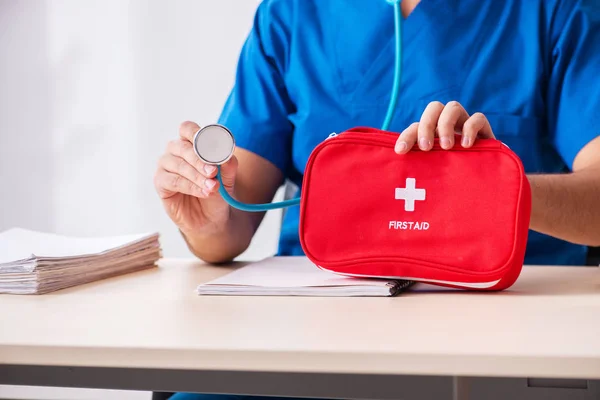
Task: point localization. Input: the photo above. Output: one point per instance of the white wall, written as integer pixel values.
(90, 93)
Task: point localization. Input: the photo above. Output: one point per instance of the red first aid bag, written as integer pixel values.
(457, 218)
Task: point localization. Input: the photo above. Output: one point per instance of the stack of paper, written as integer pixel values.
(35, 263)
(296, 276)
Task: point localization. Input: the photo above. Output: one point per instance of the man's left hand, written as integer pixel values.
(444, 122)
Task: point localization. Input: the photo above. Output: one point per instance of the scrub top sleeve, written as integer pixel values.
(258, 106)
(574, 85)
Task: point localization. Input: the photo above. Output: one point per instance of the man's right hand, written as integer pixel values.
(189, 188)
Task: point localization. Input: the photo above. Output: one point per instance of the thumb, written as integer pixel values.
(228, 173)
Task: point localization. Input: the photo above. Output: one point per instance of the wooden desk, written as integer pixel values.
(150, 331)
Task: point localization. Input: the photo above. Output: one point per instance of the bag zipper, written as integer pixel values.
(372, 133)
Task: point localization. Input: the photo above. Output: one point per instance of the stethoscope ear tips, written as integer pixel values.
(214, 144)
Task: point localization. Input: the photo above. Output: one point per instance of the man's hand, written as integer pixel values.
(187, 186)
(563, 205)
(444, 122)
(213, 231)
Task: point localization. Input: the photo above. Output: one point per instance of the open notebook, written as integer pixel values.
(296, 276)
(35, 262)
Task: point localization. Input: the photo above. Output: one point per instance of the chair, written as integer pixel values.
(161, 395)
(593, 256)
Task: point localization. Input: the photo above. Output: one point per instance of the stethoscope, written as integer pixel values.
(214, 144)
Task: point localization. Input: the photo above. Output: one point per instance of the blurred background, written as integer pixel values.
(91, 91)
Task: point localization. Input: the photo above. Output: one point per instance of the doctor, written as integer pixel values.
(525, 72)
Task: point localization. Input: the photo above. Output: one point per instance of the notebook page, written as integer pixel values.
(21, 244)
(289, 272)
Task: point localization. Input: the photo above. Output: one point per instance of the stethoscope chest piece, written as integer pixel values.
(214, 144)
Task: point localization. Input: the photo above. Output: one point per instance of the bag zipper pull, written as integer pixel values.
(331, 135)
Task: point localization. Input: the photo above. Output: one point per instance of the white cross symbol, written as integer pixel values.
(409, 194)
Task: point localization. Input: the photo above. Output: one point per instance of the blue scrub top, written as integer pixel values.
(312, 67)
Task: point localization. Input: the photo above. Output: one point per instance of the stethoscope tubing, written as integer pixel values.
(251, 207)
(385, 126)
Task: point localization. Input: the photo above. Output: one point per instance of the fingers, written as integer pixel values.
(180, 166)
(451, 120)
(445, 122)
(167, 184)
(476, 126)
(187, 130)
(183, 149)
(428, 124)
(228, 173)
(407, 139)
(181, 171)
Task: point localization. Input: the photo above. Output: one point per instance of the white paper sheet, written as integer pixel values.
(295, 276)
(21, 244)
(36, 262)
